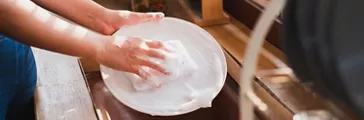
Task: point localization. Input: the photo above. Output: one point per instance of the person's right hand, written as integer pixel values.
(122, 53)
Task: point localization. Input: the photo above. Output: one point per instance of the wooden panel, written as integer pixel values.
(248, 13)
(225, 105)
(233, 37)
(295, 97)
(276, 110)
(210, 13)
(212, 9)
(61, 92)
(89, 65)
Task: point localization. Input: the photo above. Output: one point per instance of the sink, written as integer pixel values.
(224, 106)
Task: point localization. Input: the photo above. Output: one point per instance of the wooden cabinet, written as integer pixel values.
(248, 11)
(205, 12)
(148, 5)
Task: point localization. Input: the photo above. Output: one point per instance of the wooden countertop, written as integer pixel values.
(61, 92)
(66, 96)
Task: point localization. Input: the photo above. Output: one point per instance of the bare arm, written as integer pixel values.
(28, 23)
(94, 16)
(84, 12)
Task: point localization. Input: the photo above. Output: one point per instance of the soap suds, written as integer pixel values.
(178, 63)
(174, 97)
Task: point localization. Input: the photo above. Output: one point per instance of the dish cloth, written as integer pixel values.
(178, 63)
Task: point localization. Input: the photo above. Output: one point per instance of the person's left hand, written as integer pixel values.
(118, 19)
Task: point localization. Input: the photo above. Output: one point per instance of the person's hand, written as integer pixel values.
(127, 53)
(119, 19)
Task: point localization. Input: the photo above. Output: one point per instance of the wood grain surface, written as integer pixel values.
(225, 106)
(61, 92)
(234, 37)
(68, 92)
(210, 12)
(279, 111)
(284, 88)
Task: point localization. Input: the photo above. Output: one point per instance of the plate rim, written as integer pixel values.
(224, 65)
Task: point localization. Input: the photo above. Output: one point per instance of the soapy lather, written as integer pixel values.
(177, 63)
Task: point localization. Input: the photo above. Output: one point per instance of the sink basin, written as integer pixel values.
(224, 106)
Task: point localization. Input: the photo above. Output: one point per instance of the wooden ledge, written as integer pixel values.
(274, 89)
(282, 93)
(61, 91)
(210, 13)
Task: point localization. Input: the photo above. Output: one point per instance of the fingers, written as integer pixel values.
(143, 73)
(154, 44)
(140, 72)
(157, 45)
(138, 18)
(156, 17)
(154, 53)
(152, 66)
(152, 17)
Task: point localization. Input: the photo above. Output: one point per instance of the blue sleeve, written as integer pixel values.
(17, 78)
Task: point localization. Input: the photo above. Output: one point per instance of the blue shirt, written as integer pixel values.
(17, 77)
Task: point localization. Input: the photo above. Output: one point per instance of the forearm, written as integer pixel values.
(28, 23)
(84, 12)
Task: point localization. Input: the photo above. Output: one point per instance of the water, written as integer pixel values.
(314, 115)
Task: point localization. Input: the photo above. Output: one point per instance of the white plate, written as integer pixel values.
(167, 100)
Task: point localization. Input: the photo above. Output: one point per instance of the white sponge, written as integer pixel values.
(178, 63)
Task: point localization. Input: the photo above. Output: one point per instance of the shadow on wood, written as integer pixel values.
(225, 105)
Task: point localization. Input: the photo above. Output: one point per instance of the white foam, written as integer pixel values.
(175, 96)
(178, 63)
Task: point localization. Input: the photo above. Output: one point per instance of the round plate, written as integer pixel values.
(167, 100)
